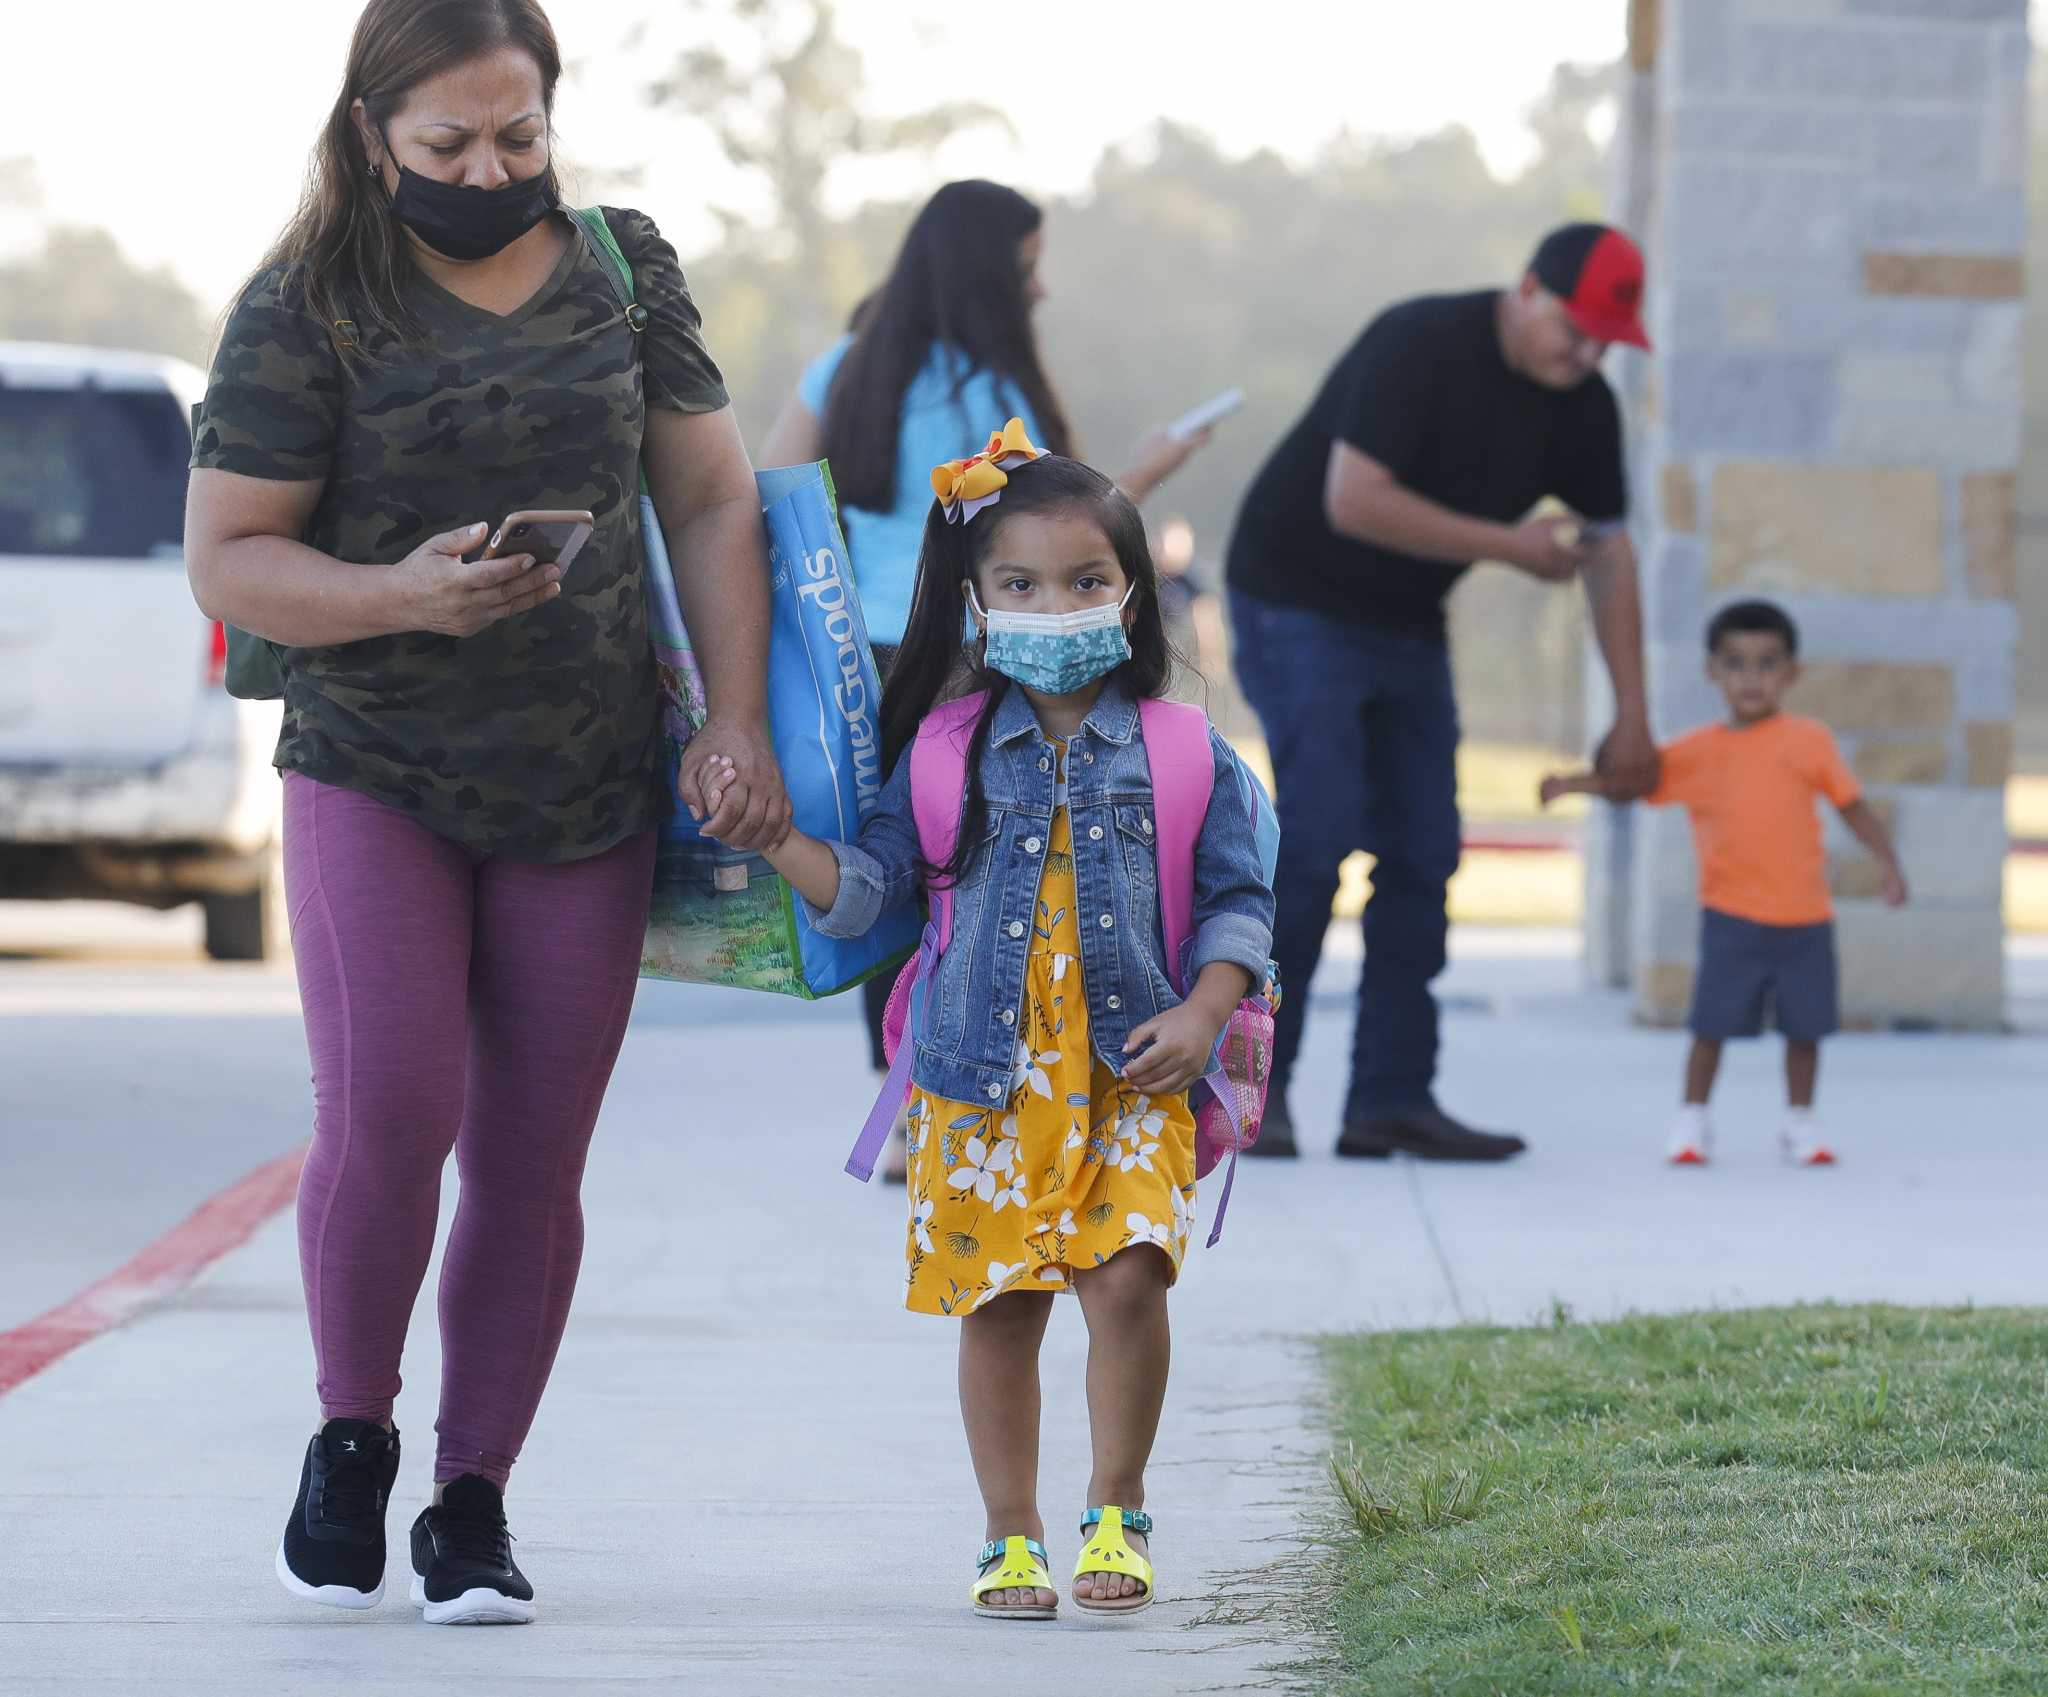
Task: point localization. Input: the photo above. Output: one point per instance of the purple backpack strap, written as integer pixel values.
(938, 792)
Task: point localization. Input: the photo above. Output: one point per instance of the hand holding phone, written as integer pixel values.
(1212, 411)
(554, 537)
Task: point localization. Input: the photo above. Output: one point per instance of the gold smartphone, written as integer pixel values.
(552, 537)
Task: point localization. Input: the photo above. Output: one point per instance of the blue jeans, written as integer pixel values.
(1363, 729)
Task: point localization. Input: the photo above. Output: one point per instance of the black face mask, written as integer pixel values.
(468, 223)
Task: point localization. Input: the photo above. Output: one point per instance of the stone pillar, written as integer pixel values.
(1832, 419)
(1609, 834)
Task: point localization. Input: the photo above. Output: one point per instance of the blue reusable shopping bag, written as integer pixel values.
(721, 916)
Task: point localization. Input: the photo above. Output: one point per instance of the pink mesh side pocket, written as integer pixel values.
(1247, 1068)
(896, 1016)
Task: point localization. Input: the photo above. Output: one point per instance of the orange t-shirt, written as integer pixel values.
(1751, 793)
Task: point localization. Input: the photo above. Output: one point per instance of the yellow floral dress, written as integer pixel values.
(1077, 1167)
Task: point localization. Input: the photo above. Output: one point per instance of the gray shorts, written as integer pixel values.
(1745, 966)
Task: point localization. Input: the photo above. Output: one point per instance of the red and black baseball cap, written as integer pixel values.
(1598, 273)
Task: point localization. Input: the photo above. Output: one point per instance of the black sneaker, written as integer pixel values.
(1276, 1133)
(464, 1574)
(333, 1548)
(1429, 1134)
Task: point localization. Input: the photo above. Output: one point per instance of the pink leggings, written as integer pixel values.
(453, 1000)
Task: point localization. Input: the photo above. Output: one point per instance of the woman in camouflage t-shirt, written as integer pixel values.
(471, 750)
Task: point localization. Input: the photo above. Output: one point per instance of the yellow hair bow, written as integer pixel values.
(964, 487)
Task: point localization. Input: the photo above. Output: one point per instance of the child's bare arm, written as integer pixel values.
(1575, 783)
(1870, 832)
(811, 868)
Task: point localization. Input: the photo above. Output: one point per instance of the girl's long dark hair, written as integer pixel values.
(936, 665)
(342, 252)
(955, 282)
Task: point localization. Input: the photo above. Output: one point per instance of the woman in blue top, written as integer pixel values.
(943, 347)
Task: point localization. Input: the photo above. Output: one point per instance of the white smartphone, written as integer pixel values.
(1212, 411)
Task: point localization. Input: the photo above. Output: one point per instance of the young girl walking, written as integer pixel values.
(1051, 1146)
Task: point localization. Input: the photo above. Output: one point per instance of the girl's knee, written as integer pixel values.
(1132, 1280)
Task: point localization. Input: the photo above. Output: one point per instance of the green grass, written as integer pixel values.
(1848, 1501)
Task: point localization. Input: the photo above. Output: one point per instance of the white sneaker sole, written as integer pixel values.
(327, 1596)
(479, 1607)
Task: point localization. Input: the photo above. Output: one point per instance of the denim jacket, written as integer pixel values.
(968, 1048)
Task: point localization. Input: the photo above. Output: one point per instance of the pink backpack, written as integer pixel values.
(1230, 1101)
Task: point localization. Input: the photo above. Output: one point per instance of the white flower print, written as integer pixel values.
(1183, 1214)
(999, 1275)
(1029, 1069)
(1059, 968)
(1141, 1122)
(921, 1224)
(1052, 1275)
(983, 1165)
(1011, 1195)
(1138, 1155)
(1143, 1230)
(1065, 1225)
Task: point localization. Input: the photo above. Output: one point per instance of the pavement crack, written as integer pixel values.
(1436, 1243)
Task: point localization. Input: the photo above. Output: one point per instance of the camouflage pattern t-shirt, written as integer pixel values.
(538, 737)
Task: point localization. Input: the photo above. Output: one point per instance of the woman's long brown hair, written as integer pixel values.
(342, 253)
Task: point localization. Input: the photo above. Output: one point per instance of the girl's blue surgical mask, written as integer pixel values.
(1056, 653)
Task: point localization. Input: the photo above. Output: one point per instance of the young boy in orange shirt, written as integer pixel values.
(1766, 924)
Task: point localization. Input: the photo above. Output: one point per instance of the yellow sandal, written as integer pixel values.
(1107, 1552)
(1013, 1563)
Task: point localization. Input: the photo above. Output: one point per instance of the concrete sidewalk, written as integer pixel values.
(748, 1476)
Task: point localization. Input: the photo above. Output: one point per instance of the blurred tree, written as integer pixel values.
(786, 99)
(80, 287)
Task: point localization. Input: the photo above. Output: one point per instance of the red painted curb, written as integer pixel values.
(219, 1224)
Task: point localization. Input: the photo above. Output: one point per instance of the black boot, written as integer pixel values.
(1427, 1133)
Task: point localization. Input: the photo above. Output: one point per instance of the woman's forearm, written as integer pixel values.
(294, 595)
(721, 569)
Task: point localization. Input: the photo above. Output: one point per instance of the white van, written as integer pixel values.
(127, 772)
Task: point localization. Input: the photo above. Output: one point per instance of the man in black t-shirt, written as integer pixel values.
(1429, 443)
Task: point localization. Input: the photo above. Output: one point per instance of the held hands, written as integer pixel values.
(443, 593)
(1182, 1040)
(732, 785)
(1627, 761)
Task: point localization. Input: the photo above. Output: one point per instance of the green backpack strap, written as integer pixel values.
(599, 230)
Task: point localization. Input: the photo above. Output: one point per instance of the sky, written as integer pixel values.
(188, 139)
